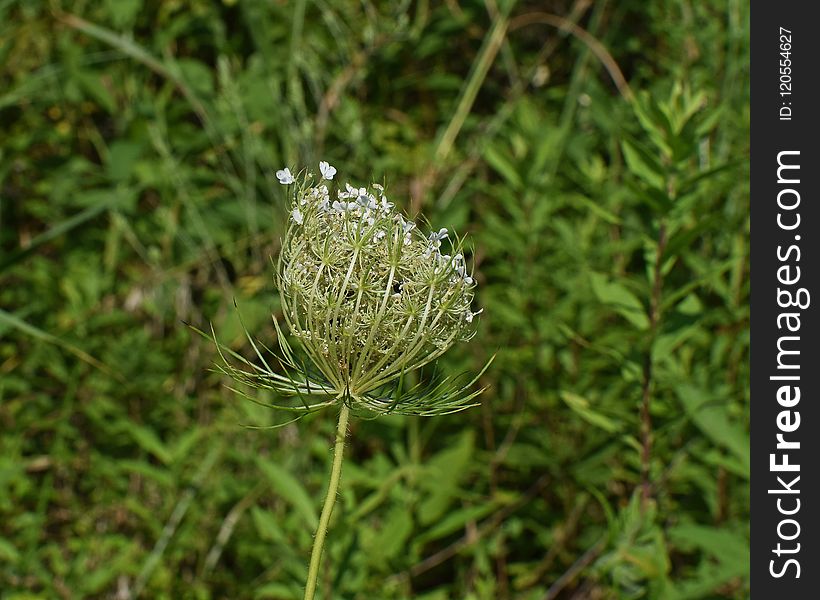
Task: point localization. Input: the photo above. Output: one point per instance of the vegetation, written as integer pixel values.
(595, 153)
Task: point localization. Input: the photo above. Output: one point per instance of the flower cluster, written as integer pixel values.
(368, 296)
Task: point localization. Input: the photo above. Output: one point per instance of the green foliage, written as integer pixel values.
(610, 233)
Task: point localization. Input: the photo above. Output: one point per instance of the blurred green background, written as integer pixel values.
(596, 153)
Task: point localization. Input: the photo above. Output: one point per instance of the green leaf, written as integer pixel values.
(455, 521)
(710, 416)
(620, 299)
(104, 202)
(268, 526)
(196, 75)
(525, 456)
(653, 121)
(392, 537)
(123, 12)
(8, 553)
(277, 591)
(10, 320)
(149, 441)
(727, 547)
(161, 475)
(503, 166)
(91, 83)
(727, 559)
(643, 166)
(581, 407)
(289, 488)
(122, 159)
(441, 477)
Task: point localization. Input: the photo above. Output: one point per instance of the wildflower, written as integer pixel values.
(469, 315)
(366, 305)
(461, 269)
(338, 270)
(368, 298)
(327, 171)
(284, 176)
(367, 201)
(341, 207)
(434, 241)
(335, 275)
(435, 238)
(351, 192)
(407, 227)
(442, 261)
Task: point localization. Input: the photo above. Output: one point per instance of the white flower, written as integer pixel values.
(367, 201)
(406, 226)
(468, 316)
(297, 216)
(353, 192)
(319, 195)
(435, 238)
(341, 207)
(385, 205)
(459, 266)
(327, 171)
(461, 269)
(284, 176)
(435, 242)
(442, 261)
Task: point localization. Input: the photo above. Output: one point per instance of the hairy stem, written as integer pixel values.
(330, 500)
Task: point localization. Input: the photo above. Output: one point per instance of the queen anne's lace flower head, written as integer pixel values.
(369, 298)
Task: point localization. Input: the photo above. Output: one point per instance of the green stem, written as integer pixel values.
(330, 499)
